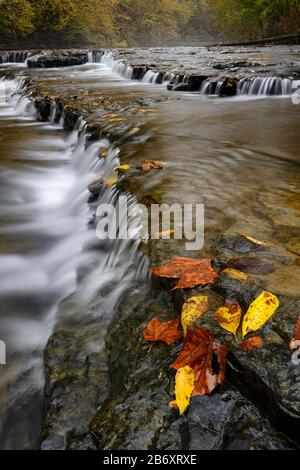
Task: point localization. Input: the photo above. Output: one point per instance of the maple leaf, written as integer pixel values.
(198, 350)
(194, 308)
(255, 342)
(189, 272)
(168, 332)
(151, 164)
(259, 312)
(295, 342)
(229, 316)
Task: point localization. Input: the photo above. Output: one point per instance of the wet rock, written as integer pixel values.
(52, 59)
(136, 414)
(229, 87)
(77, 378)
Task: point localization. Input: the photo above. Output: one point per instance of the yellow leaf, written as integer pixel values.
(229, 316)
(194, 308)
(123, 167)
(184, 386)
(235, 274)
(255, 241)
(116, 119)
(103, 154)
(111, 181)
(259, 312)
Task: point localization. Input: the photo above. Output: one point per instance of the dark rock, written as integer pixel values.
(57, 59)
(229, 87)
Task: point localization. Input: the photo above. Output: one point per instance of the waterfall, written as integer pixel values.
(20, 57)
(211, 86)
(265, 86)
(150, 77)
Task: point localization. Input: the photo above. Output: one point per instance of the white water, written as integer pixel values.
(43, 203)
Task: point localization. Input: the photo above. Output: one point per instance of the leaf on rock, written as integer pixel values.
(235, 274)
(255, 342)
(151, 164)
(251, 265)
(255, 241)
(295, 342)
(103, 154)
(229, 316)
(194, 308)
(117, 119)
(189, 272)
(259, 312)
(168, 332)
(184, 387)
(123, 167)
(110, 181)
(206, 377)
(194, 347)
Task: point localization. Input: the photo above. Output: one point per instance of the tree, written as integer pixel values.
(16, 18)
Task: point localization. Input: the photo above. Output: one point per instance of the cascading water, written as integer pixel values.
(116, 66)
(43, 201)
(19, 58)
(265, 86)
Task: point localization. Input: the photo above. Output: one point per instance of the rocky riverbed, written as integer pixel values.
(104, 388)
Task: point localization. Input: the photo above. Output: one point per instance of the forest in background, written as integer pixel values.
(123, 23)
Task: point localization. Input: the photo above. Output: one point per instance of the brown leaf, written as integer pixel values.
(151, 164)
(251, 265)
(255, 342)
(294, 345)
(167, 332)
(194, 347)
(189, 272)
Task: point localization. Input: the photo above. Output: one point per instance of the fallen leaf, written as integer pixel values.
(189, 272)
(117, 119)
(194, 308)
(194, 347)
(259, 312)
(251, 265)
(206, 378)
(295, 342)
(229, 316)
(103, 154)
(110, 181)
(255, 241)
(168, 332)
(123, 167)
(151, 164)
(173, 404)
(235, 274)
(255, 342)
(184, 386)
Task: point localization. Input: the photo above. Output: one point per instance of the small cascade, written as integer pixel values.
(150, 77)
(265, 86)
(19, 57)
(211, 86)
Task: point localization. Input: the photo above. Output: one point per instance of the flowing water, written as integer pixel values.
(239, 156)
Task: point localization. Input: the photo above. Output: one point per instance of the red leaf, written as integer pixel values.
(151, 164)
(167, 332)
(294, 345)
(189, 272)
(255, 342)
(197, 352)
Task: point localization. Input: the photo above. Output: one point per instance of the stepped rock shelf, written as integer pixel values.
(223, 71)
(116, 395)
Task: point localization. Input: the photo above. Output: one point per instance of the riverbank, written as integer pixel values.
(258, 406)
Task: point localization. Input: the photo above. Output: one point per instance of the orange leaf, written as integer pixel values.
(255, 342)
(194, 347)
(151, 164)
(189, 272)
(167, 332)
(294, 345)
